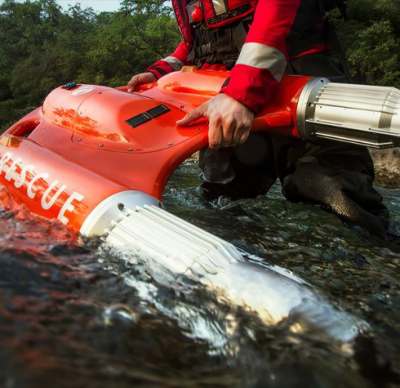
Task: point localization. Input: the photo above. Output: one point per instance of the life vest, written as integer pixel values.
(216, 13)
(218, 37)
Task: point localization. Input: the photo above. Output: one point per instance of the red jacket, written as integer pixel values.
(281, 30)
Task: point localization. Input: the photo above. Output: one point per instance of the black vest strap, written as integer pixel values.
(219, 45)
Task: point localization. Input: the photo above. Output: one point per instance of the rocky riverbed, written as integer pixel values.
(387, 167)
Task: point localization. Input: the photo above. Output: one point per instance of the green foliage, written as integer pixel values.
(375, 56)
(124, 44)
(371, 38)
(43, 47)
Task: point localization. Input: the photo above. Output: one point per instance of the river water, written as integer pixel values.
(74, 315)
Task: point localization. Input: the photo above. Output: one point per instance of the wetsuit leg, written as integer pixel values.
(344, 191)
(244, 171)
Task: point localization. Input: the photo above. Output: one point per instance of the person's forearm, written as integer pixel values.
(263, 58)
(174, 62)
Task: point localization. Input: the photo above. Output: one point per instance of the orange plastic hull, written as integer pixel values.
(68, 156)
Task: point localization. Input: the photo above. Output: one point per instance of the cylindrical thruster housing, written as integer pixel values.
(358, 114)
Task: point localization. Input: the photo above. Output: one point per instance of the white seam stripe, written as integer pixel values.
(175, 63)
(263, 57)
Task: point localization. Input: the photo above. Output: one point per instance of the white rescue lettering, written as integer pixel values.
(48, 205)
(11, 174)
(22, 178)
(68, 206)
(30, 192)
(5, 158)
(46, 202)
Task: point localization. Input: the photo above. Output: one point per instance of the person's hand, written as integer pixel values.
(140, 79)
(229, 121)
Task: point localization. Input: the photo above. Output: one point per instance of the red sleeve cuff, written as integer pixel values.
(251, 86)
(160, 68)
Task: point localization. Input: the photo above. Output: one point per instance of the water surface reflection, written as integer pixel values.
(77, 316)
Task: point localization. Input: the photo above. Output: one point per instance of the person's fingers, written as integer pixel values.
(236, 138)
(244, 136)
(140, 79)
(132, 83)
(229, 121)
(229, 125)
(192, 116)
(214, 134)
(241, 133)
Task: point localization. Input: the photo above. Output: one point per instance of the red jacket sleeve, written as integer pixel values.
(263, 58)
(172, 63)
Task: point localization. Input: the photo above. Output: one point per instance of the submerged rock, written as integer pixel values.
(387, 167)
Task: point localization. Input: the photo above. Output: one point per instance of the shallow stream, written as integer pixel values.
(74, 315)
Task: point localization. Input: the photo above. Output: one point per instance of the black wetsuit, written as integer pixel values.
(336, 175)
